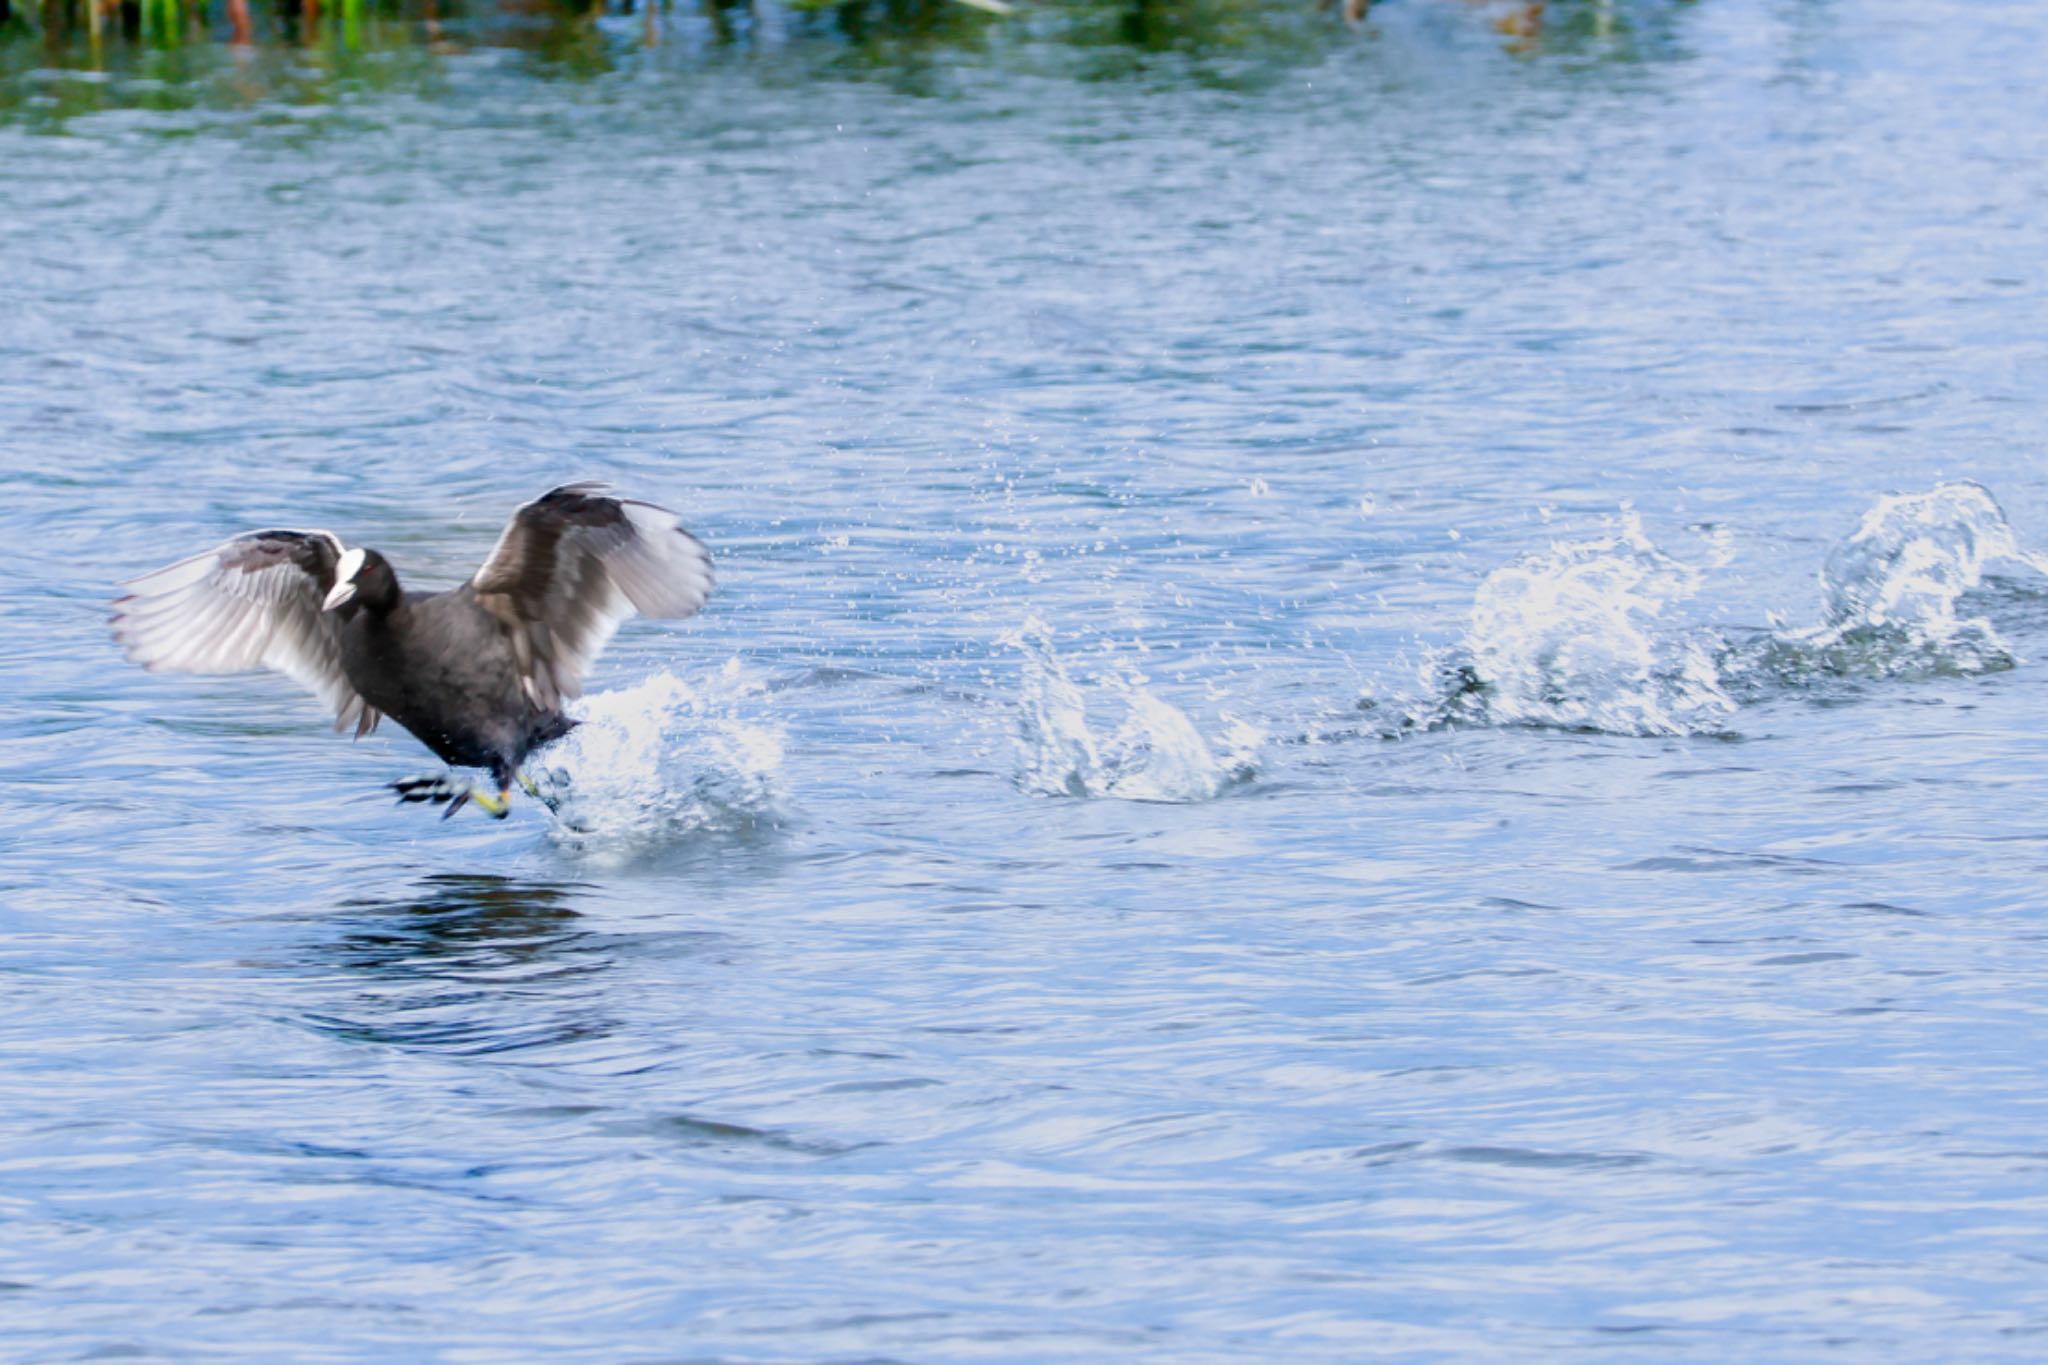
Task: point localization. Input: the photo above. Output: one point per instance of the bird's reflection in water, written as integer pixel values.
(469, 964)
(456, 923)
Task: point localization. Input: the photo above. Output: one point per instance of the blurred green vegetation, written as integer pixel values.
(60, 58)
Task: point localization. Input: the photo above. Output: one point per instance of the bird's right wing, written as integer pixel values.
(249, 602)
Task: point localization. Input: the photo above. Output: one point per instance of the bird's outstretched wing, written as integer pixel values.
(251, 601)
(571, 565)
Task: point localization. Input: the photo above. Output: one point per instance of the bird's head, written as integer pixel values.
(362, 576)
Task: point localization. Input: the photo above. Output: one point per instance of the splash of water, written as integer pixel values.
(1892, 591)
(666, 758)
(1576, 637)
(1580, 636)
(1155, 753)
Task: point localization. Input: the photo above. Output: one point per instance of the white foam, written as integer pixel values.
(667, 758)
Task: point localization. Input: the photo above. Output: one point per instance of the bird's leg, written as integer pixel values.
(447, 789)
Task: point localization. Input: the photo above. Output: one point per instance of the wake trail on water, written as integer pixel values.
(1584, 635)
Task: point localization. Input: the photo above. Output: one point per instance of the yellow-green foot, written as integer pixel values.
(548, 790)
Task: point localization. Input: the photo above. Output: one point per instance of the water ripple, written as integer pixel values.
(1389, 708)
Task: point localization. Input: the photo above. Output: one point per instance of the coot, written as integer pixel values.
(477, 673)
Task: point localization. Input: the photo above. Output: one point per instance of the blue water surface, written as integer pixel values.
(1273, 773)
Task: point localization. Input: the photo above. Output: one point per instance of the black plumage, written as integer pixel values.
(478, 673)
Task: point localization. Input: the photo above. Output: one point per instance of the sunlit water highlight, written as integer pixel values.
(1390, 709)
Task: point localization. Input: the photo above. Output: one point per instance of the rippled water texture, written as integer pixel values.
(1392, 710)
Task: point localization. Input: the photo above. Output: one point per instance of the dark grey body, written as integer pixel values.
(443, 667)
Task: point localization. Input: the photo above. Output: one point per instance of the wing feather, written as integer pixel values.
(250, 602)
(571, 566)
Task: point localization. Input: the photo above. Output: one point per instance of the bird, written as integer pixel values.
(478, 673)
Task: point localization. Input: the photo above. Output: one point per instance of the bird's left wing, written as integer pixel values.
(253, 601)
